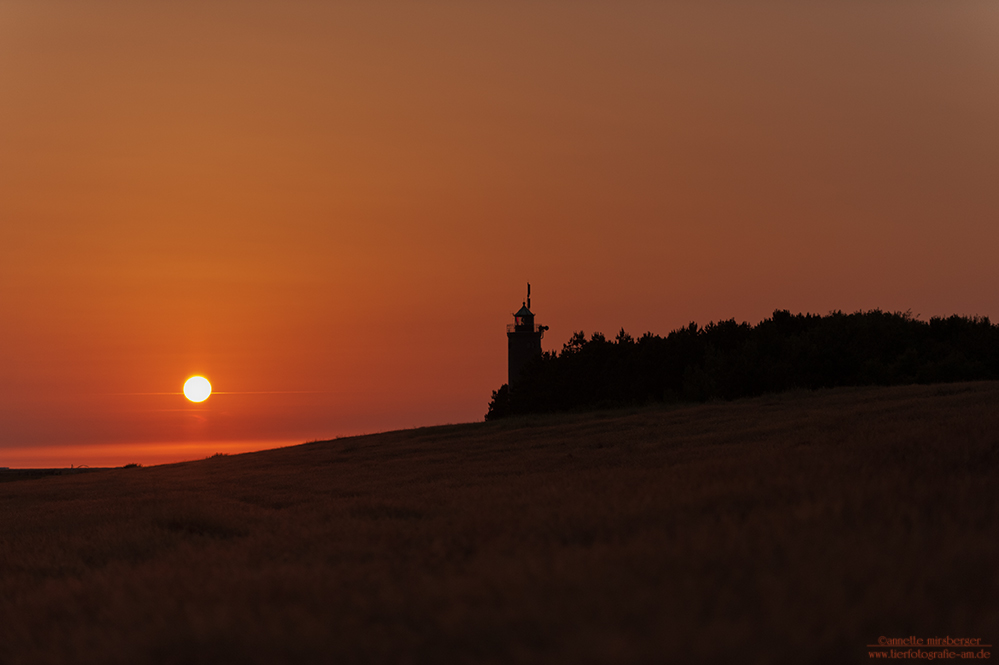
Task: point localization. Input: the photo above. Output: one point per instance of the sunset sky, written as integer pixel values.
(331, 210)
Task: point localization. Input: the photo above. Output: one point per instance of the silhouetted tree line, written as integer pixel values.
(727, 360)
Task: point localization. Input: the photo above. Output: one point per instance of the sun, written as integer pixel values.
(197, 389)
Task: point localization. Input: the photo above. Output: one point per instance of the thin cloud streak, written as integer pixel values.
(238, 392)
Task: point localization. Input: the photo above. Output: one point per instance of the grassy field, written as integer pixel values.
(792, 528)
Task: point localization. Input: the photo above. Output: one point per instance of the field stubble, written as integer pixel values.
(787, 528)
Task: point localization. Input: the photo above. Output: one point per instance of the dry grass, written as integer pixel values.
(793, 528)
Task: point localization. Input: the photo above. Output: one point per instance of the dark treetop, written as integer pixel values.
(728, 360)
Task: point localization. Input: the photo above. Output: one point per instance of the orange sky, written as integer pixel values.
(349, 199)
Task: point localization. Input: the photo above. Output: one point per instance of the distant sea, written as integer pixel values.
(120, 454)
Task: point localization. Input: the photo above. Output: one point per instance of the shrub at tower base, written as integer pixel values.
(727, 360)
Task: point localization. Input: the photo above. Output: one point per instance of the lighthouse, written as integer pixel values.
(523, 340)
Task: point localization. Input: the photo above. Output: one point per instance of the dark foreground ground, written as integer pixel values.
(795, 528)
(10, 475)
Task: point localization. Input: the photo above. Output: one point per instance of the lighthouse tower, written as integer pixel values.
(523, 340)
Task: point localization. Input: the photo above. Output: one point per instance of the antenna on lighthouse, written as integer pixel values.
(528, 295)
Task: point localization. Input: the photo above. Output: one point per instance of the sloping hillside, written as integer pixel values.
(793, 528)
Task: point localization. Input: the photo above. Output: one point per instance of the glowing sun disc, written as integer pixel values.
(197, 389)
